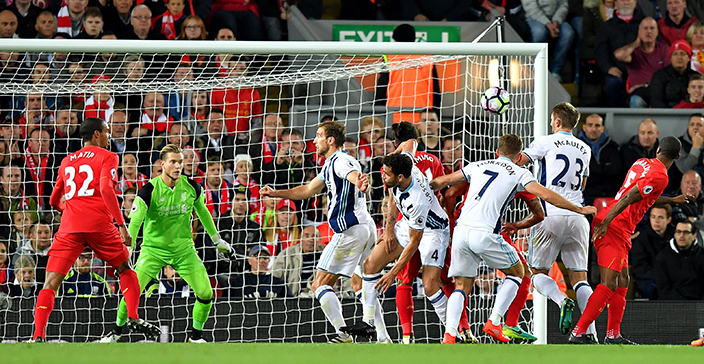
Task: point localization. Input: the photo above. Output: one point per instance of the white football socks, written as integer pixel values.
(439, 302)
(504, 297)
(381, 333)
(332, 307)
(369, 296)
(584, 291)
(548, 287)
(455, 305)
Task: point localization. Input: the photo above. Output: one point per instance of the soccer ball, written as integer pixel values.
(495, 100)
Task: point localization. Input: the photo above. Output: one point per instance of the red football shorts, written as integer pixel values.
(612, 248)
(66, 248)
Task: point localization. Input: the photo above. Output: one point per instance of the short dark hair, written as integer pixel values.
(294, 131)
(431, 110)
(670, 147)
(691, 225)
(89, 126)
(63, 35)
(217, 110)
(696, 115)
(351, 140)
(93, 11)
(403, 131)
(567, 113)
(696, 77)
(400, 164)
(666, 207)
(334, 129)
(108, 32)
(510, 144)
(130, 190)
(328, 118)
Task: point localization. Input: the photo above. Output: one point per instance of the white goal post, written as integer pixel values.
(304, 81)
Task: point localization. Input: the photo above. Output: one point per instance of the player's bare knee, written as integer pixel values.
(370, 266)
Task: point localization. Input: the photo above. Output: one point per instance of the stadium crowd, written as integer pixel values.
(649, 52)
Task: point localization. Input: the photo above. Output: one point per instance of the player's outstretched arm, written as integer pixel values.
(389, 278)
(557, 200)
(683, 198)
(537, 214)
(206, 219)
(409, 146)
(446, 180)
(632, 196)
(297, 193)
(360, 180)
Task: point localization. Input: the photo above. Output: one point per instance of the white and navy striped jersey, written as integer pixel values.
(563, 162)
(347, 205)
(492, 186)
(419, 205)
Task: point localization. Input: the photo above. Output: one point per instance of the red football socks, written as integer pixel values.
(129, 284)
(597, 302)
(617, 306)
(45, 304)
(404, 304)
(514, 311)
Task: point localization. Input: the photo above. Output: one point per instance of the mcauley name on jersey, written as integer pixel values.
(571, 143)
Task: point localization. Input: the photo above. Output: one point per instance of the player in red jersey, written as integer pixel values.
(613, 227)
(86, 182)
(511, 328)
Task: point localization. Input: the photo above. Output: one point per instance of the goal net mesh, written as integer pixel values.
(243, 121)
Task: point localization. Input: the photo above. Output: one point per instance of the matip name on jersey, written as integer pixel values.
(83, 154)
(570, 143)
(507, 166)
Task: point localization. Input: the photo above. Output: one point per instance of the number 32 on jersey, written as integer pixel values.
(83, 169)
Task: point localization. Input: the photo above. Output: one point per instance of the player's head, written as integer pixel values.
(685, 234)
(330, 135)
(669, 149)
(404, 33)
(510, 145)
(397, 169)
(403, 131)
(95, 131)
(171, 161)
(564, 117)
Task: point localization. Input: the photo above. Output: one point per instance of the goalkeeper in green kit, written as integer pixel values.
(165, 205)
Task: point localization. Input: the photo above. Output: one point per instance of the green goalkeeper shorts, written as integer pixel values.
(187, 264)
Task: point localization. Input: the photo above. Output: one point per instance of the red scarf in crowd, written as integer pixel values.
(24, 203)
(267, 152)
(124, 184)
(37, 172)
(224, 199)
(95, 109)
(167, 24)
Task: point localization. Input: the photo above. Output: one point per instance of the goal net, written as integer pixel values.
(245, 116)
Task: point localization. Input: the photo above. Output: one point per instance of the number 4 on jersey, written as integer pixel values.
(71, 175)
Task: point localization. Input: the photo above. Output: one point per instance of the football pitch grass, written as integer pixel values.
(285, 353)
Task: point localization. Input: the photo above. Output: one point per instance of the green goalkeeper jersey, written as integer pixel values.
(166, 214)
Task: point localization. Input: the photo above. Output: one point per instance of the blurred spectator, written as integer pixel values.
(285, 231)
(128, 197)
(370, 130)
(22, 221)
(66, 137)
(620, 30)
(241, 105)
(171, 20)
(695, 37)
(649, 241)
(514, 13)
(38, 249)
(178, 102)
(171, 283)
(218, 192)
(26, 14)
(430, 132)
(296, 264)
(195, 112)
(40, 73)
(39, 166)
(669, 84)
(692, 210)
(442, 10)
(141, 21)
(690, 153)
(643, 57)
(216, 143)
(154, 119)
(131, 177)
(193, 28)
(679, 267)
(101, 103)
(5, 154)
(4, 268)
(350, 147)
(8, 24)
(69, 20)
(35, 115)
(24, 284)
(258, 283)
(546, 19)
(606, 166)
(290, 167)
(243, 177)
(12, 134)
(12, 195)
(674, 25)
(92, 24)
(107, 64)
(452, 154)
(381, 147)
(118, 129)
(273, 14)
(117, 17)
(643, 145)
(239, 230)
(241, 17)
(267, 212)
(81, 281)
(157, 168)
(45, 25)
(178, 135)
(191, 163)
(271, 135)
(485, 286)
(695, 94)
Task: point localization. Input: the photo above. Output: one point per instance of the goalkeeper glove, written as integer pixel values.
(223, 247)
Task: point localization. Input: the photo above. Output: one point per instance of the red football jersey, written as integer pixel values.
(650, 175)
(429, 164)
(79, 182)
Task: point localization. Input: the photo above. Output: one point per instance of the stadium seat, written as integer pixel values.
(601, 202)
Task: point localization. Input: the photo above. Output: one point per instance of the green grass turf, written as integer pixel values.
(220, 353)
